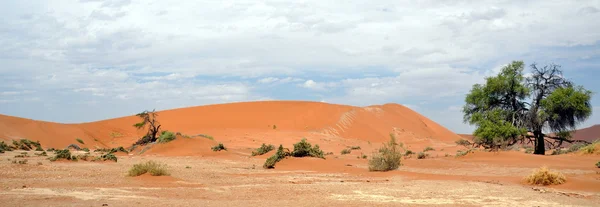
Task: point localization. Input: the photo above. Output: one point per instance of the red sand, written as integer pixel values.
(241, 127)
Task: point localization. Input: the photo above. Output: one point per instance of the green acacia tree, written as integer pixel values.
(503, 116)
(151, 124)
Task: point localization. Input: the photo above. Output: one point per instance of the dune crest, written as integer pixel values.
(233, 121)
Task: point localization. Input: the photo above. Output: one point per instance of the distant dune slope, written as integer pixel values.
(589, 134)
(373, 123)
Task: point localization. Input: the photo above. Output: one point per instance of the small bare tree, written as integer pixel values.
(150, 122)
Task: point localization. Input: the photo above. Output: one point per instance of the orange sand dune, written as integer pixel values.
(247, 124)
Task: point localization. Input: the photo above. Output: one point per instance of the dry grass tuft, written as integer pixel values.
(154, 168)
(543, 176)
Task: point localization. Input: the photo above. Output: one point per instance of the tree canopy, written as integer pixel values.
(510, 108)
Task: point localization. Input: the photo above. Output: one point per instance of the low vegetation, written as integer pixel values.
(166, 136)
(4, 147)
(428, 149)
(355, 147)
(62, 154)
(80, 140)
(108, 156)
(461, 153)
(219, 147)
(278, 156)
(41, 154)
(112, 150)
(304, 149)
(346, 151)
(593, 148)
(573, 148)
(206, 136)
(154, 168)
(598, 164)
(263, 149)
(388, 158)
(543, 176)
(422, 155)
(464, 142)
(408, 153)
(25, 144)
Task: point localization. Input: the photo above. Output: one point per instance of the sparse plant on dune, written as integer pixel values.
(598, 164)
(80, 140)
(346, 151)
(388, 158)
(543, 176)
(263, 149)
(304, 149)
(61, 154)
(166, 136)
(593, 148)
(355, 147)
(4, 147)
(422, 155)
(461, 153)
(154, 168)
(463, 142)
(219, 147)
(25, 144)
(428, 149)
(278, 156)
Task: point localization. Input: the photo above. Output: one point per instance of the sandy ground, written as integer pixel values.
(239, 180)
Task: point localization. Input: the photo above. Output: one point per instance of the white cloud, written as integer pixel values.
(318, 86)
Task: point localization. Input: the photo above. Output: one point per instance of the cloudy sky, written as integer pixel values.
(80, 61)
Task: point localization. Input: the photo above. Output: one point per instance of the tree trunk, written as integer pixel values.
(540, 148)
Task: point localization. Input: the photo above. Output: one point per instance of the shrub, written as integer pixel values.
(389, 157)
(25, 144)
(598, 164)
(543, 176)
(86, 150)
(22, 162)
(219, 147)
(428, 149)
(154, 168)
(304, 149)
(463, 142)
(41, 154)
(278, 156)
(409, 153)
(74, 146)
(364, 156)
(590, 148)
(263, 149)
(108, 156)
(112, 150)
(80, 141)
(206, 136)
(528, 150)
(346, 151)
(62, 154)
(461, 153)
(355, 147)
(4, 147)
(50, 149)
(274, 126)
(576, 147)
(422, 155)
(166, 136)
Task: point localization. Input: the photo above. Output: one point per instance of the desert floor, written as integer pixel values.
(237, 179)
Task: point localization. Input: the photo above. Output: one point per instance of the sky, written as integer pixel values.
(88, 60)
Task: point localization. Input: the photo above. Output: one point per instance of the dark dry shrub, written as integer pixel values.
(346, 151)
(219, 147)
(50, 149)
(355, 147)
(364, 156)
(22, 162)
(409, 153)
(166, 136)
(74, 146)
(154, 168)
(422, 155)
(80, 140)
(263, 149)
(304, 149)
(112, 150)
(428, 149)
(598, 164)
(388, 158)
(463, 142)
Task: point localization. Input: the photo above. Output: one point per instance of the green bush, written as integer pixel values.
(590, 148)
(50, 149)
(463, 153)
(422, 155)
(86, 150)
(4, 147)
(389, 157)
(62, 154)
(278, 156)
(80, 140)
(166, 136)
(409, 153)
(41, 154)
(108, 156)
(346, 151)
(428, 149)
(112, 150)
(263, 149)
(154, 168)
(304, 149)
(598, 164)
(25, 144)
(219, 147)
